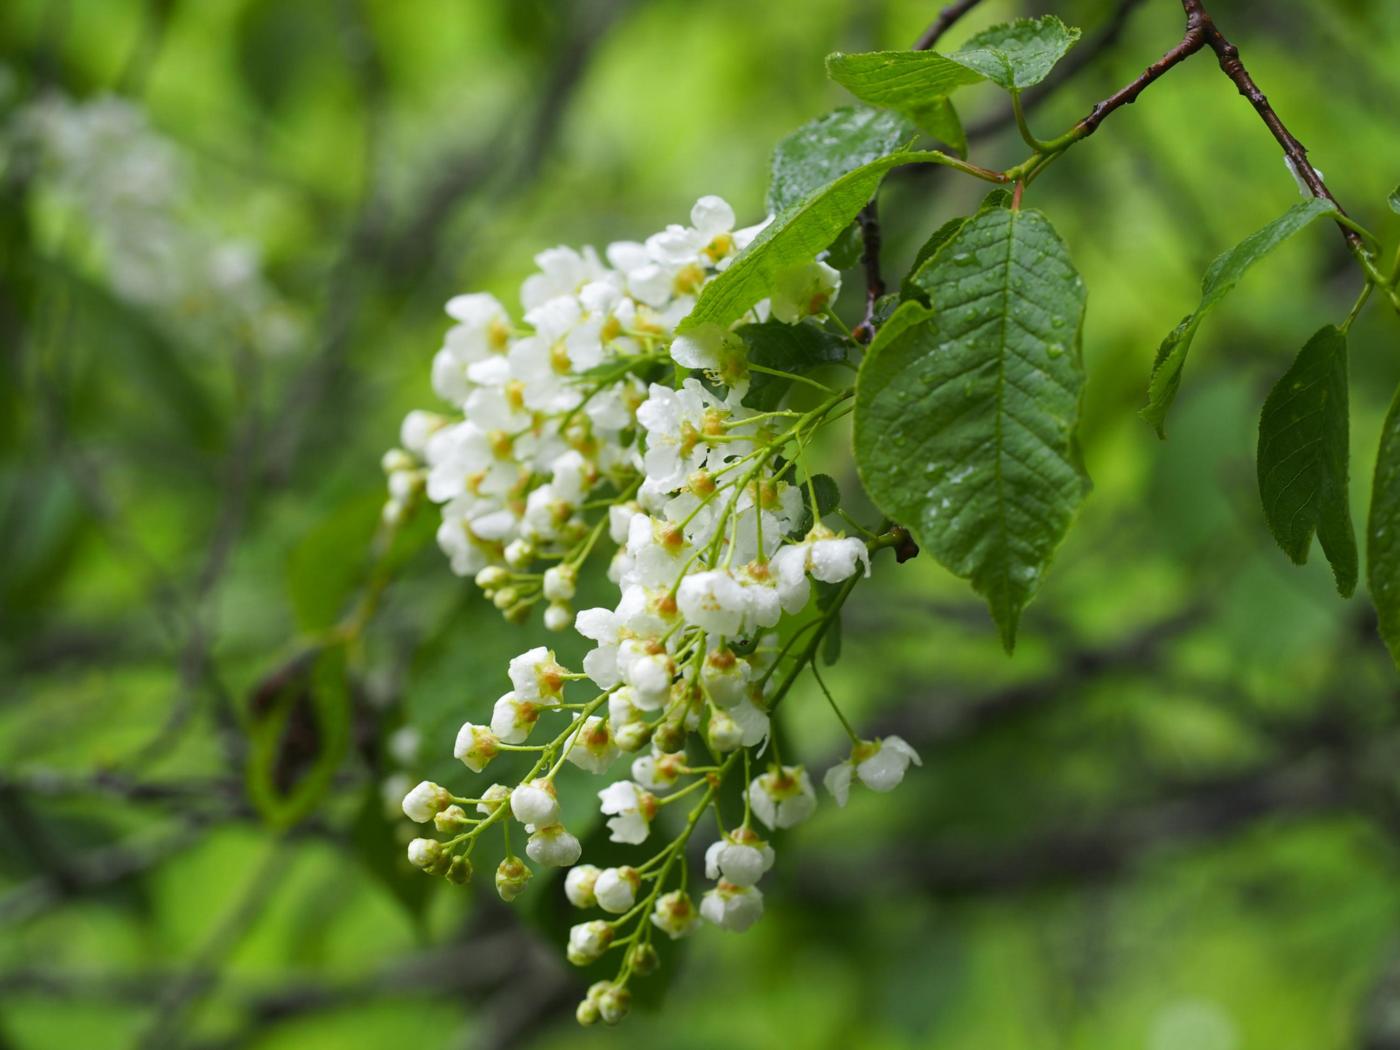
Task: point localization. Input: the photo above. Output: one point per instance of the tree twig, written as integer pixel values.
(945, 20)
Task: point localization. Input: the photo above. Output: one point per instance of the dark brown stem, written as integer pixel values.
(943, 23)
(1192, 41)
(874, 283)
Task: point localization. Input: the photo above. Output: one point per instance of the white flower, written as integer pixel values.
(493, 798)
(713, 601)
(475, 746)
(513, 717)
(650, 679)
(732, 907)
(803, 291)
(426, 801)
(579, 885)
(724, 677)
(835, 560)
(674, 914)
(591, 746)
(720, 352)
(658, 771)
(878, 764)
(632, 810)
(616, 889)
(741, 862)
(588, 941)
(557, 617)
(537, 676)
(782, 797)
(535, 803)
(560, 582)
(418, 426)
(553, 846)
(429, 855)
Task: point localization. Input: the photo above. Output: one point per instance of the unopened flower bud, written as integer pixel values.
(723, 733)
(505, 598)
(460, 870)
(588, 941)
(511, 876)
(553, 846)
(579, 885)
(587, 1013)
(674, 914)
(425, 801)
(616, 889)
(669, 737)
(492, 577)
(430, 855)
(558, 617)
(560, 583)
(633, 736)
(451, 820)
(614, 1003)
(519, 554)
(535, 803)
(645, 960)
(492, 798)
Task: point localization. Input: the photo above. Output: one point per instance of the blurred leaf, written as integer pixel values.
(906, 81)
(328, 562)
(940, 119)
(792, 239)
(298, 730)
(1224, 273)
(1018, 54)
(845, 251)
(795, 348)
(1383, 532)
(383, 856)
(824, 149)
(1303, 457)
(966, 413)
(273, 41)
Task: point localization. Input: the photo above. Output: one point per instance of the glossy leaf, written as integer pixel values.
(1019, 54)
(1383, 532)
(1224, 273)
(966, 412)
(824, 149)
(792, 348)
(793, 238)
(1303, 457)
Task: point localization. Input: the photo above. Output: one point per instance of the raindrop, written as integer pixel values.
(1054, 350)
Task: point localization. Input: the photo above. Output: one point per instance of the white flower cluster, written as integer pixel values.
(128, 185)
(718, 537)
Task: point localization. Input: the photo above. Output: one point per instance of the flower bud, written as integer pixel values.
(535, 803)
(644, 959)
(616, 889)
(505, 598)
(674, 914)
(511, 877)
(492, 798)
(396, 460)
(587, 1013)
(633, 736)
(558, 617)
(560, 583)
(493, 577)
(430, 855)
(553, 846)
(425, 801)
(460, 870)
(723, 733)
(475, 746)
(579, 885)
(519, 554)
(588, 941)
(669, 737)
(614, 1003)
(451, 820)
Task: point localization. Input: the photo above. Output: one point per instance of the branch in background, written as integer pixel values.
(945, 20)
(870, 256)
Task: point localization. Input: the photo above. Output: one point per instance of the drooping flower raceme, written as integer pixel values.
(586, 422)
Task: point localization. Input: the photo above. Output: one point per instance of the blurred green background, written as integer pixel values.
(1171, 822)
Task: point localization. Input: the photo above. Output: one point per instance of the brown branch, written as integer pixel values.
(870, 256)
(943, 23)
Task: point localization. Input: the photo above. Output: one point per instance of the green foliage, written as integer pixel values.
(1222, 275)
(915, 83)
(1019, 54)
(824, 149)
(966, 413)
(786, 348)
(1383, 532)
(1303, 457)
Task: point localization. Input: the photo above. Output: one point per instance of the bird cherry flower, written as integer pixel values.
(476, 745)
(718, 352)
(535, 803)
(631, 809)
(553, 846)
(580, 884)
(658, 771)
(782, 797)
(514, 717)
(429, 855)
(674, 914)
(878, 764)
(426, 801)
(511, 877)
(493, 798)
(537, 676)
(588, 941)
(742, 858)
(591, 746)
(616, 889)
(732, 907)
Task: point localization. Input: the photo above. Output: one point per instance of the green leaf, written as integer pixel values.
(824, 149)
(1383, 532)
(793, 238)
(966, 413)
(1223, 274)
(1394, 200)
(298, 729)
(828, 495)
(909, 288)
(940, 119)
(1303, 457)
(845, 251)
(328, 562)
(1018, 54)
(795, 348)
